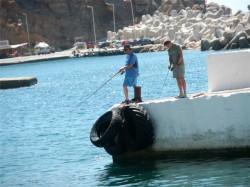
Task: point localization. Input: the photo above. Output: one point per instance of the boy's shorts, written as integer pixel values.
(130, 81)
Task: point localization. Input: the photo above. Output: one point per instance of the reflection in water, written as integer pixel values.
(136, 174)
(180, 171)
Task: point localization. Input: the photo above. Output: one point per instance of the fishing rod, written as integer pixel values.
(165, 81)
(97, 89)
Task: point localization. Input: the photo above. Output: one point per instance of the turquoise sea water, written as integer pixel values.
(44, 129)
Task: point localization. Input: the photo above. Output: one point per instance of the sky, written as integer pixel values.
(235, 5)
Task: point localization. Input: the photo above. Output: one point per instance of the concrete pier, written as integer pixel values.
(216, 121)
(7, 83)
(35, 58)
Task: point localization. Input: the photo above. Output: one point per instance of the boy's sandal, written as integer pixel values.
(125, 102)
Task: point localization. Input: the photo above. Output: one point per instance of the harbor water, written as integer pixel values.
(44, 129)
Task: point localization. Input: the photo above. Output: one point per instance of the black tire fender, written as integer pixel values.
(137, 132)
(105, 128)
(115, 146)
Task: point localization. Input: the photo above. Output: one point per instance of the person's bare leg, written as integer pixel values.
(183, 84)
(179, 85)
(125, 89)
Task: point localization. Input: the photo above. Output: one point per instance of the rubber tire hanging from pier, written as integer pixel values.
(126, 129)
(105, 128)
(137, 131)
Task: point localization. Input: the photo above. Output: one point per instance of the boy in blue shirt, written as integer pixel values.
(131, 69)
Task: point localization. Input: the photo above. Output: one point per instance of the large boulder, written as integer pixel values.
(216, 44)
(243, 42)
(236, 39)
(223, 42)
(229, 35)
(234, 46)
(219, 33)
(205, 45)
(216, 15)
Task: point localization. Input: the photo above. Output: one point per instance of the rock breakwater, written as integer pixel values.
(214, 27)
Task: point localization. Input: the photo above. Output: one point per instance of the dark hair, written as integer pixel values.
(126, 47)
(167, 42)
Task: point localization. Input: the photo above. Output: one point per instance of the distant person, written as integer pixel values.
(131, 70)
(176, 63)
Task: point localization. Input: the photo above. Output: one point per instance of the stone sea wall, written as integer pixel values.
(213, 27)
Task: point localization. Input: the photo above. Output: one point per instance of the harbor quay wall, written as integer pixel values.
(207, 123)
(211, 121)
(17, 82)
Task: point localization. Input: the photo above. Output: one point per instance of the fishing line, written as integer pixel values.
(97, 90)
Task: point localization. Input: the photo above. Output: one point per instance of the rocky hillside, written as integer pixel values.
(58, 22)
